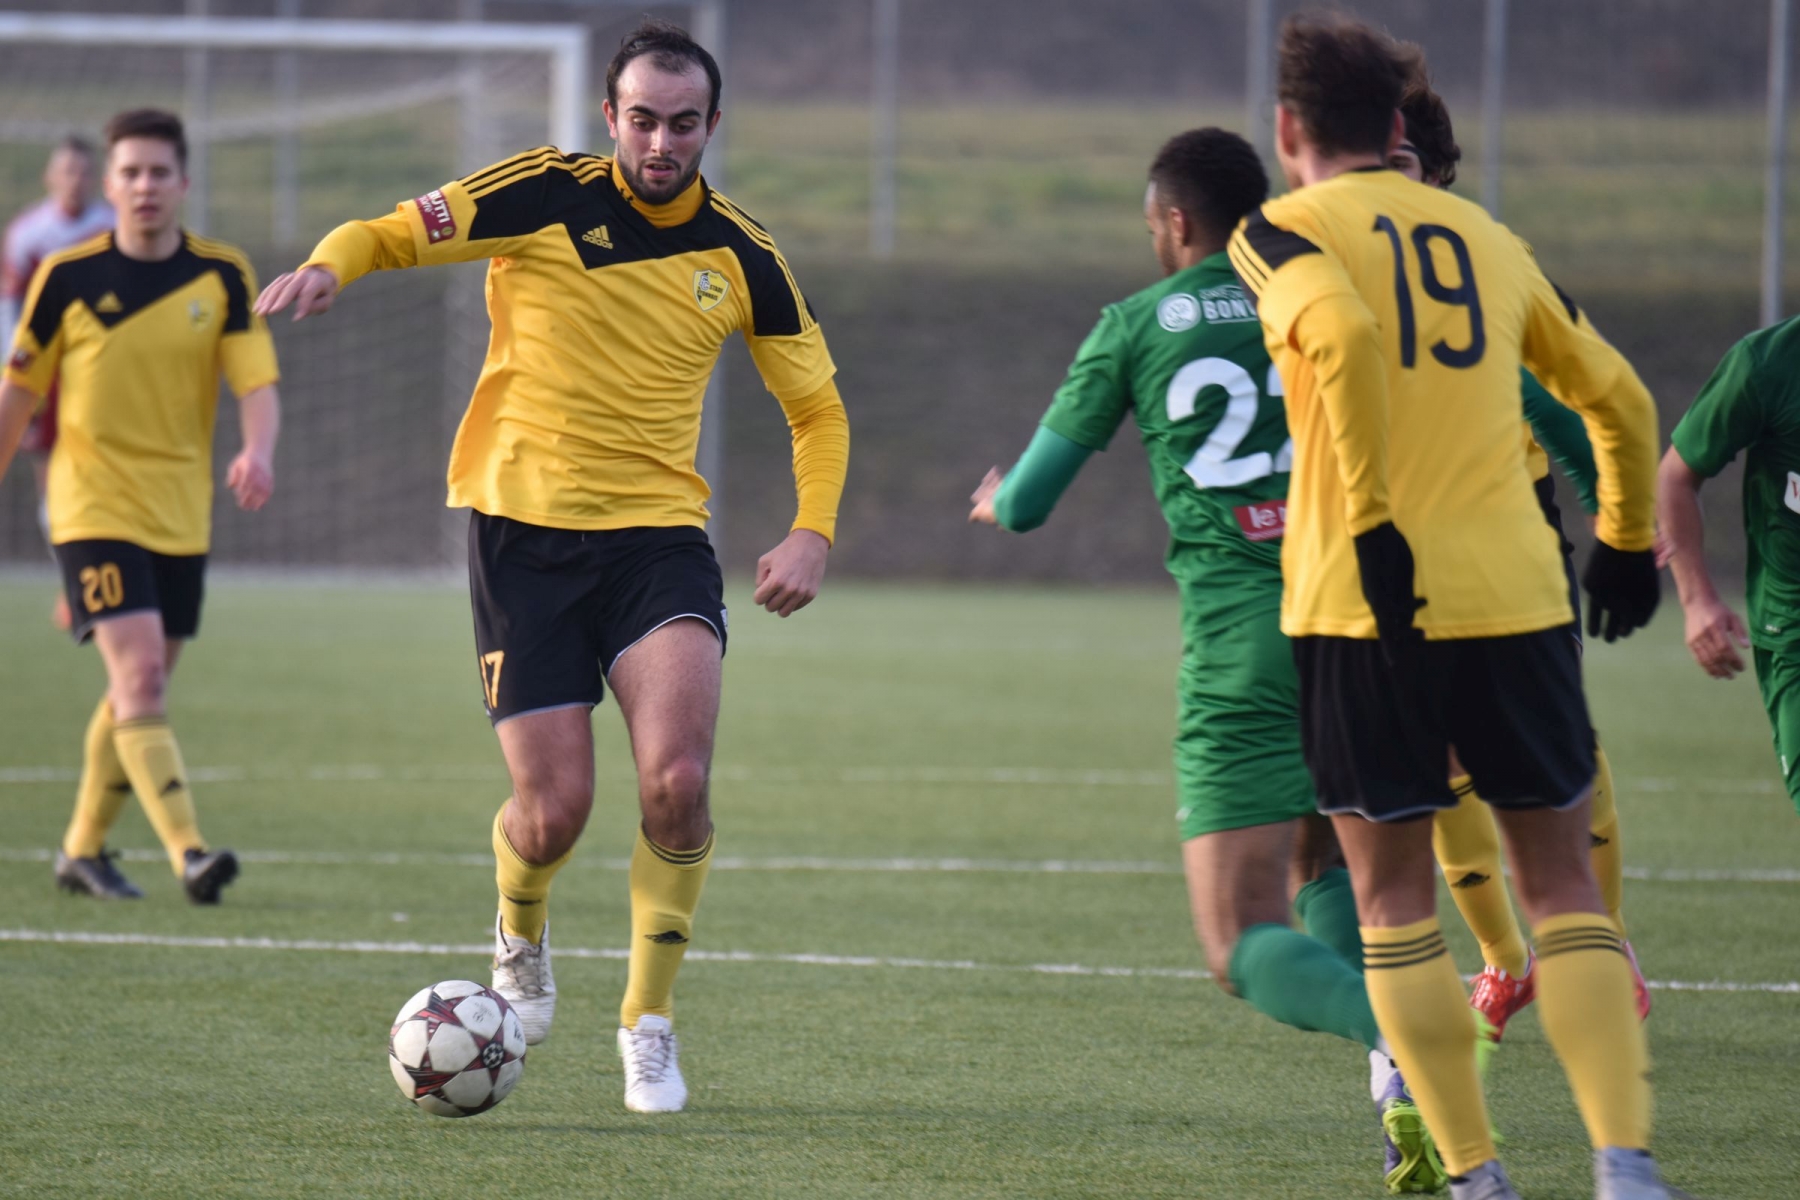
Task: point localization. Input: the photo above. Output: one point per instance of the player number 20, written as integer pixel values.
(1215, 464)
(102, 587)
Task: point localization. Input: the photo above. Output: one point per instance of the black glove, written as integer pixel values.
(1386, 562)
(1622, 589)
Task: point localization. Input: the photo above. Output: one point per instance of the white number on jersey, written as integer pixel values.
(1213, 465)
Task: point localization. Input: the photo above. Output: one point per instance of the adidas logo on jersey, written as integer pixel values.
(598, 237)
(109, 303)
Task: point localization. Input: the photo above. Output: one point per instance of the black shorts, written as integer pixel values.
(1377, 739)
(555, 608)
(1546, 495)
(104, 578)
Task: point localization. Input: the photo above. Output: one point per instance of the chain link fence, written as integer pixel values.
(1632, 154)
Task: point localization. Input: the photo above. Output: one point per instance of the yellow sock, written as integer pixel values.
(1424, 1013)
(665, 891)
(1467, 844)
(152, 761)
(1588, 1011)
(524, 887)
(102, 791)
(1608, 855)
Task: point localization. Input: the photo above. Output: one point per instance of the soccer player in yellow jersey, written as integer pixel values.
(1425, 592)
(614, 283)
(134, 329)
(1465, 838)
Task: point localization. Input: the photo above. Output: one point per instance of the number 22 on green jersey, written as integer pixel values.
(1216, 463)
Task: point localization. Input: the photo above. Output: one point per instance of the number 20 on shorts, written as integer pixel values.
(102, 587)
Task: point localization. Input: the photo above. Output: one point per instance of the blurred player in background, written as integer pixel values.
(1750, 406)
(1399, 316)
(1185, 360)
(69, 213)
(1465, 838)
(614, 285)
(135, 328)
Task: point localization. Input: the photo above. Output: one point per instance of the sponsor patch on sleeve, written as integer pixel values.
(20, 360)
(440, 222)
(1262, 522)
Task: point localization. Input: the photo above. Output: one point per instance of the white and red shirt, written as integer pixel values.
(33, 236)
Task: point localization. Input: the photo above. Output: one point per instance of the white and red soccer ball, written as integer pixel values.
(456, 1049)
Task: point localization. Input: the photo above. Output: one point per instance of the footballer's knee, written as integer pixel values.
(673, 792)
(1557, 883)
(138, 687)
(551, 808)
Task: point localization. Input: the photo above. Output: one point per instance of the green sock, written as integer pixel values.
(1327, 907)
(1302, 982)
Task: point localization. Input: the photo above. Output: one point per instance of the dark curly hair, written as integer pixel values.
(671, 49)
(1343, 80)
(1212, 175)
(1428, 128)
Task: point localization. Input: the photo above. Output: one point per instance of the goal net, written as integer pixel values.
(295, 127)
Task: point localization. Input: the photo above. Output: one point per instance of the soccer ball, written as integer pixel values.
(456, 1049)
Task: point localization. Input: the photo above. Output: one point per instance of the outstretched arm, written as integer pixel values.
(1716, 636)
(1024, 498)
(347, 253)
(431, 229)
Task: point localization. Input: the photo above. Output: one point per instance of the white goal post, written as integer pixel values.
(565, 46)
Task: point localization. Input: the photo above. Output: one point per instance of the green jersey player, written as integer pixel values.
(1751, 405)
(1184, 360)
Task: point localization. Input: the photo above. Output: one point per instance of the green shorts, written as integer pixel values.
(1778, 675)
(1237, 739)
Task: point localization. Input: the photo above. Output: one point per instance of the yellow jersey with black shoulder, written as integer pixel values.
(136, 350)
(1399, 315)
(608, 318)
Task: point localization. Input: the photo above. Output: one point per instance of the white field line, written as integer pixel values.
(482, 949)
(901, 866)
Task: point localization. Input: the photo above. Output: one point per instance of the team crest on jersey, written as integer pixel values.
(200, 314)
(1792, 499)
(709, 288)
(1178, 312)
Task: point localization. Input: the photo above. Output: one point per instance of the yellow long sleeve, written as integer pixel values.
(1571, 359)
(356, 248)
(821, 432)
(1340, 338)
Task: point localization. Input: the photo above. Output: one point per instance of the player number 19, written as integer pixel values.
(1213, 465)
(1463, 295)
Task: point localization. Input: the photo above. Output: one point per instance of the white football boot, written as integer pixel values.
(653, 1082)
(1630, 1175)
(1486, 1182)
(522, 975)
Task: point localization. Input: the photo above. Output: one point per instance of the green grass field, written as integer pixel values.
(917, 1001)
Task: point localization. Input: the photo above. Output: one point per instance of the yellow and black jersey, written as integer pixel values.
(608, 317)
(136, 350)
(1398, 316)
